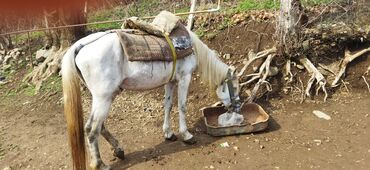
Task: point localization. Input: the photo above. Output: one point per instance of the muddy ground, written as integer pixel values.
(33, 134)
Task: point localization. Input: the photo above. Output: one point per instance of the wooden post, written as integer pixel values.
(191, 16)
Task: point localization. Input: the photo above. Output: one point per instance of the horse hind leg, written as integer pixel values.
(168, 90)
(183, 87)
(100, 109)
(117, 151)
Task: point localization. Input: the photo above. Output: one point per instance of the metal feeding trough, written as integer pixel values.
(255, 119)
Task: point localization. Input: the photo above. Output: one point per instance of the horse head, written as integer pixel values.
(228, 91)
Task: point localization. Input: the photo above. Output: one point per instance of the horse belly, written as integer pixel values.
(147, 76)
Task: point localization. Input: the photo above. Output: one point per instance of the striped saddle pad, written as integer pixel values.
(141, 46)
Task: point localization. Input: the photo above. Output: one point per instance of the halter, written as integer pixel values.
(235, 101)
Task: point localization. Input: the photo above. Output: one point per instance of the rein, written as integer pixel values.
(80, 46)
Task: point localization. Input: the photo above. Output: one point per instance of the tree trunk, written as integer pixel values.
(58, 40)
(289, 25)
(289, 30)
(5, 43)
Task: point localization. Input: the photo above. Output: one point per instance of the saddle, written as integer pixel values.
(145, 42)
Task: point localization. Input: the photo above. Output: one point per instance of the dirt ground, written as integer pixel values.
(33, 134)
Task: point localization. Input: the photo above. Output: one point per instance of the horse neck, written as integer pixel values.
(210, 66)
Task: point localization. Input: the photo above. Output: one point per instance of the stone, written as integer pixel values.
(227, 56)
(301, 67)
(321, 115)
(7, 59)
(7, 168)
(6, 67)
(41, 55)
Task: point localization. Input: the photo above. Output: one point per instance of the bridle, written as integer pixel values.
(235, 100)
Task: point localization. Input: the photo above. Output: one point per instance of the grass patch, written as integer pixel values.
(200, 32)
(52, 84)
(29, 90)
(104, 15)
(24, 37)
(315, 2)
(247, 5)
(138, 9)
(144, 8)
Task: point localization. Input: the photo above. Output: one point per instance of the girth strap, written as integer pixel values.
(174, 55)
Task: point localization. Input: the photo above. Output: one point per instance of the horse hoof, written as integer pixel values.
(172, 138)
(190, 141)
(119, 153)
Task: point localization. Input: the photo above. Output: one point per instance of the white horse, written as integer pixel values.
(99, 61)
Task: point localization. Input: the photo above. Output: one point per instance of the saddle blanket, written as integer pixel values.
(141, 46)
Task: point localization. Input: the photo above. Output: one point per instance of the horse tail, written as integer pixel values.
(73, 109)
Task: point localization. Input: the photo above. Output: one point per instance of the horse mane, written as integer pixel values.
(210, 66)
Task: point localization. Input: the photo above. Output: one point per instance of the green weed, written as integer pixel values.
(139, 9)
(315, 2)
(200, 32)
(53, 84)
(247, 5)
(29, 90)
(24, 37)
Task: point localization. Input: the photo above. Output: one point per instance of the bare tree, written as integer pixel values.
(5, 40)
(58, 40)
(288, 32)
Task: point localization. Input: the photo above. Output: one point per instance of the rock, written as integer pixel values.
(300, 67)
(317, 141)
(7, 59)
(273, 71)
(227, 56)
(6, 67)
(7, 168)
(3, 82)
(41, 55)
(321, 115)
(225, 145)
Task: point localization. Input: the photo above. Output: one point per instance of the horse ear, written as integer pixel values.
(234, 71)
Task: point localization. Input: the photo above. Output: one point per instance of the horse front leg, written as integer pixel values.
(117, 151)
(100, 109)
(168, 95)
(183, 87)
